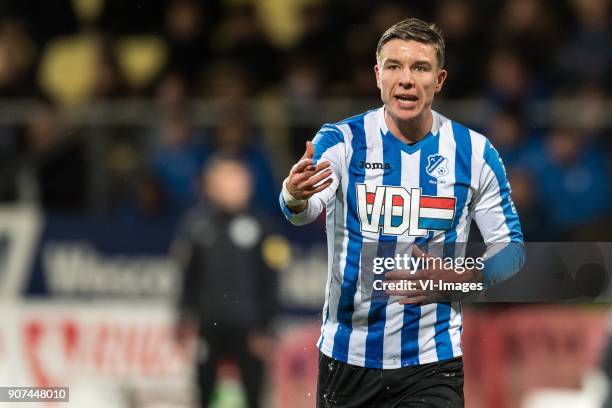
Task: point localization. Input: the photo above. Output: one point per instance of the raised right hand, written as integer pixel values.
(304, 181)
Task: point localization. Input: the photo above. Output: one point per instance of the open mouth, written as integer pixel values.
(406, 98)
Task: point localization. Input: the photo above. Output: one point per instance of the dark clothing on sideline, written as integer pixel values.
(229, 289)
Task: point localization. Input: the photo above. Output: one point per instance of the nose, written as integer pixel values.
(405, 79)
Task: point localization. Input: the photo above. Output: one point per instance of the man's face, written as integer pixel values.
(408, 77)
(228, 184)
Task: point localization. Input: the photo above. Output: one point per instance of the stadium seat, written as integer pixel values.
(66, 69)
(87, 10)
(141, 58)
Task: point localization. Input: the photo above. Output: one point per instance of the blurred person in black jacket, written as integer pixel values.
(56, 156)
(229, 290)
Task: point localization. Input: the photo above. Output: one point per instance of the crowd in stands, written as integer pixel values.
(514, 54)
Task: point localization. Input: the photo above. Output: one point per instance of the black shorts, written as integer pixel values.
(438, 384)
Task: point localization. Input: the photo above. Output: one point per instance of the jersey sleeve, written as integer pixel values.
(329, 145)
(498, 221)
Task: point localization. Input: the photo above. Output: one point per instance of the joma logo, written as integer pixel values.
(369, 166)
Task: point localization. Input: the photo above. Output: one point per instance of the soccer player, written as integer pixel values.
(400, 174)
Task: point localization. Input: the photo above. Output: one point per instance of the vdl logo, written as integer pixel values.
(395, 210)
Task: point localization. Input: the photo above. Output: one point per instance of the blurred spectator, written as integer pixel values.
(108, 79)
(316, 31)
(241, 37)
(509, 134)
(303, 83)
(361, 38)
(590, 112)
(363, 81)
(345, 13)
(303, 88)
(314, 44)
(587, 53)
(232, 137)
(171, 90)
(188, 31)
(229, 290)
(178, 159)
(459, 22)
(229, 81)
(533, 213)
(529, 26)
(17, 67)
(571, 175)
(57, 156)
(17, 60)
(509, 80)
(144, 200)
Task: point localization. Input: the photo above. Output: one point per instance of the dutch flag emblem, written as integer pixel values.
(436, 213)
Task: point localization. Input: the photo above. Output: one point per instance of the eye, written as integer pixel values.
(393, 67)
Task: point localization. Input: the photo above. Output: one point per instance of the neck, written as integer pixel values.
(410, 131)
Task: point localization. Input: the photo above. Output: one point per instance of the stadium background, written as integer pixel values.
(110, 108)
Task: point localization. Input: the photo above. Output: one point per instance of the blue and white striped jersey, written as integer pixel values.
(384, 190)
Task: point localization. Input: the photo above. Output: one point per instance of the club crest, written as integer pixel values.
(436, 165)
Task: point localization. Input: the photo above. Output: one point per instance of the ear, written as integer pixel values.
(377, 73)
(440, 79)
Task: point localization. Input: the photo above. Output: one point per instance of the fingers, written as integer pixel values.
(304, 181)
(407, 275)
(300, 166)
(398, 275)
(306, 159)
(312, 181)
(309, 152)
(322, 187)
(320, 166)
(311, 186)
(302, 170)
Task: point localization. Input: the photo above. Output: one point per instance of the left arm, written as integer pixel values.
(493, 211)
(498, 221)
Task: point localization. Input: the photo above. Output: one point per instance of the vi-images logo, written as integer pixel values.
(393, 210)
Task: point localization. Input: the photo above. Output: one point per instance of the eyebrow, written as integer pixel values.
(392, 61)
(418, 62)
